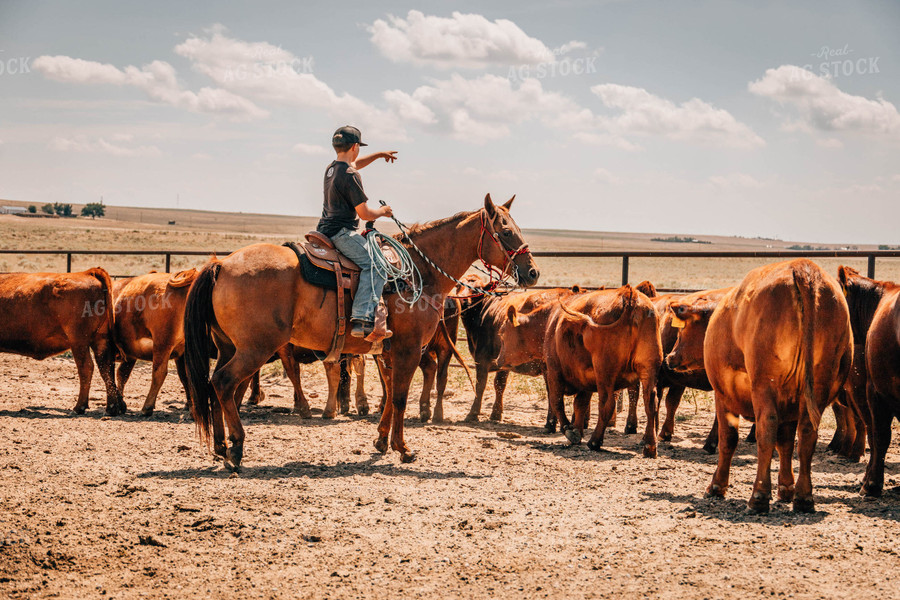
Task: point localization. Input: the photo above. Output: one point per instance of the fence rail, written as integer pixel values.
(624, 255)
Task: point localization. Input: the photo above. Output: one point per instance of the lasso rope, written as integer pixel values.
(407, 271)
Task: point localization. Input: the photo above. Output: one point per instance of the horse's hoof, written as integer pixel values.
(804, 505)
(550, 428)
(665, 436)
(629, 428)
(327, 415)
(233, 458)
(870, 490)
(113, 410)
(758, 503)
(573, 436)
(362, 409)
(649, 451)
(79, 410)
(437, 419)
(219, 451)
(424, 416)
(710, 448)
(496, 416)
(146, 412)
(304, 413)
(408, 457)
(595, 446)
(381, 444)
(715, 491)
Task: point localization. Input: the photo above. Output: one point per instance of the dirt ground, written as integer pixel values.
(133, 507)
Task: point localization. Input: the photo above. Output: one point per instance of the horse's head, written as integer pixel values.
(502, 245)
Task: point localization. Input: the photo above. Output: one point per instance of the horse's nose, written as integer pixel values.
(533, 274)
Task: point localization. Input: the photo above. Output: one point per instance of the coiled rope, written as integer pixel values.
(407, 271)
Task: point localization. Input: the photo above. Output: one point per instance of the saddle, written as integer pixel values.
(323, 265)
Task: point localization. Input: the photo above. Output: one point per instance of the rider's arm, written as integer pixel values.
(367, 214)
(364, 161)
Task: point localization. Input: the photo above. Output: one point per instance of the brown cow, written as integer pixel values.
(777, 350)
(875, 317)
(150, 326)
(44, 314)
(604, 341)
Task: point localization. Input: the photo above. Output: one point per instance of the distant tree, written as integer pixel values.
(32, 208)
(47, 208)
(63, 210)
(93, 210)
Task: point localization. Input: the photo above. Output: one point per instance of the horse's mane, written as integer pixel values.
(419, 228)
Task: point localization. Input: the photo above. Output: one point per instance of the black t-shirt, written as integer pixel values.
(343, 193)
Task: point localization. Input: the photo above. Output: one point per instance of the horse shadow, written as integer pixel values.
(734, 510)
(374, 465)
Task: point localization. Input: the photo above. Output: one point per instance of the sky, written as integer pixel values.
(756, 118)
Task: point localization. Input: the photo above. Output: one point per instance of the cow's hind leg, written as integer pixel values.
(580, 406)
(807, 436)
(764, 403)
(785, 443)
(881, 420)
(673, 399)
(85, 366)
(651, 411)
(606, 403)
(481, 375)
(442, 375)
(123, 373)
(631, 422)
(105, 354)
(428, 364)
(160, 370)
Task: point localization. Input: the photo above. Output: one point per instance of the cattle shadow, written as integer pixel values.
(374, 465)
(734, 510)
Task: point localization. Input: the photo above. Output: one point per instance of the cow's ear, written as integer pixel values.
(508, 204)
(512, 315)
(843, 278)
(576, 289)
(489, 206)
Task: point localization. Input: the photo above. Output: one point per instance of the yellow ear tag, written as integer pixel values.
(677, 323)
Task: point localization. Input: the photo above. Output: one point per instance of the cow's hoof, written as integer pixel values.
(437, 418)
(328, 415)
(112, 411)
(630, 428)
(408, 457)
(665, 436)
(471, 418)
(870, 490)
(234, 456)
(220, 451)
(146, 412)
(496, 417)
(785, 494)
(424, 415)
(550, 428)
(710, 448)
(381, 444)
(573, 436)
(804, 505)
(304, 413)
(758, 503)
(649, 451)
(595, 446)
(362, 410)
(715, 491)
(79, 410)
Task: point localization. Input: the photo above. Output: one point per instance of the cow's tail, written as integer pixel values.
(630, 301)
(106, 285)
(198, 321)
(805, 283)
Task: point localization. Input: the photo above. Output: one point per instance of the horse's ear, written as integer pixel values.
(509, 202)
(489, 206)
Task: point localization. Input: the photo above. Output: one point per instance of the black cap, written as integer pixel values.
(347, 135)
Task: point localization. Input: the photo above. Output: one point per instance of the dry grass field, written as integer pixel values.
(132, 507)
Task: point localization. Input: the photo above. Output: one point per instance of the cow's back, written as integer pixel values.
(148, 308)
(883, 346)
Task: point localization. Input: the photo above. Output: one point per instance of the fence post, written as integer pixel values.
(871, 269)
(624, 269)
(168, 263)
(68, 262)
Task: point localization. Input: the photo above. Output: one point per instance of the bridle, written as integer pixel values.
(497, 275)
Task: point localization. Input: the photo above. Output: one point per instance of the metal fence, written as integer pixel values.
(625, 256)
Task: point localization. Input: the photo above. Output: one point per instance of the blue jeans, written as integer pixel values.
(353, 246)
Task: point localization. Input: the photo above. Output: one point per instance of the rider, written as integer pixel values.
(345, 204)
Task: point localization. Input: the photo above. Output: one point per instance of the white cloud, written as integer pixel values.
(604, 176)
(311, 149)
(460, 41)
(157, 80)
(569, 46)
(830, 143)
(643, 113)
(270, 74)
(823, 106)
(735, 180)
(112, 146)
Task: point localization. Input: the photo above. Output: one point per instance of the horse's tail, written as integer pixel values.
(805, 284)
(198, 321)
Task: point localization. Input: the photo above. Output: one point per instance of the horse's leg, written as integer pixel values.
(85, 366)
(241, 389)
(292, 370)
(226, 352)
(181, 368)
(442, 373)
(428, 364)
(343, 391)
(385, 371)
(333, 375)
(500, 379)
(481, 375)
(225, 382)
(404, 368)
(362, 401)
(160, 370)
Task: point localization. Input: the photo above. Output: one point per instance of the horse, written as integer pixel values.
(255, 301)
